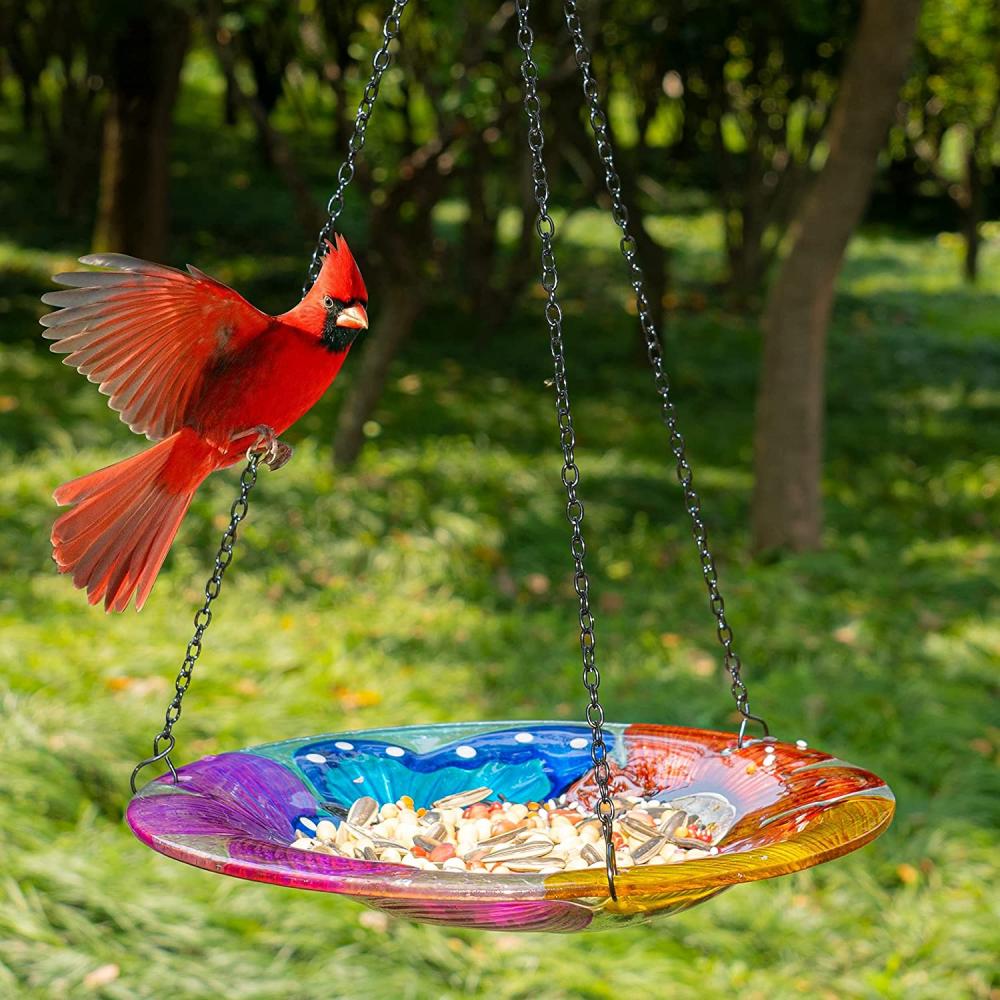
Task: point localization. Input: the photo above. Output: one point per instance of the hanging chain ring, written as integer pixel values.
(605, 807)
(156, 755)
(654, 351)
(237, 513)
(380, 63)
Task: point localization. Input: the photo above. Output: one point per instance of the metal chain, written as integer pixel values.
(203, 618)
(239, 509)
(380, 63)
(654, 351)
(605, 807)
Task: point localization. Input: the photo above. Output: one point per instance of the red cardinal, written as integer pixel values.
(192, 365)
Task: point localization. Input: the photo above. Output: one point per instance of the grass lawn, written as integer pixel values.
(432, 583)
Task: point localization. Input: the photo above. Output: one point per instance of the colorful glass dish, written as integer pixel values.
(236, 813)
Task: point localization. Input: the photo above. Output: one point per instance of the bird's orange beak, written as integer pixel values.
(353, 317)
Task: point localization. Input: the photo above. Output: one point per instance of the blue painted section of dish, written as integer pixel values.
(520, 764)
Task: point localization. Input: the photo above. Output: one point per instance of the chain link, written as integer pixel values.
(380, 63)
(203, 618)
(654, 351)
(605, 808)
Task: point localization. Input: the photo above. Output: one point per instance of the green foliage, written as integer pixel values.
(750, 95)
(959, 60)
(952, 99)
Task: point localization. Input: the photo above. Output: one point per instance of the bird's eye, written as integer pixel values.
(327, 302)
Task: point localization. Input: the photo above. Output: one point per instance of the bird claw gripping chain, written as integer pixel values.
(273, 452)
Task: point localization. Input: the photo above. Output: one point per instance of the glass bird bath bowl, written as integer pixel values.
(236, 814)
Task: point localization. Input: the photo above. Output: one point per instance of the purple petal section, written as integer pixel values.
(232, 793)
(284, 865)
(178, 814)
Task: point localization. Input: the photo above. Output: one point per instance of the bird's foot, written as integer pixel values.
(278, 455)
(273, 453)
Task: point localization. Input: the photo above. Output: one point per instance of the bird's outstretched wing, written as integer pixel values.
(147, 334)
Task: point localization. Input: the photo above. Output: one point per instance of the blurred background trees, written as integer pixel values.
(757, 108)
(952, 103)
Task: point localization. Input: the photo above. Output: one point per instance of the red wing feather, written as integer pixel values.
(146, 334)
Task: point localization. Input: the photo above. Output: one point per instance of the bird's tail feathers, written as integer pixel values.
(124, 519)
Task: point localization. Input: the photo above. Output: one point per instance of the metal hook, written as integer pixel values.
(611, 869)
(747, 718)
(158, 754)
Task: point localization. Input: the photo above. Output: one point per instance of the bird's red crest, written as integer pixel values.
(339, 276)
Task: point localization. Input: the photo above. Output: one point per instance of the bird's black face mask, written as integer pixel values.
(344, 321)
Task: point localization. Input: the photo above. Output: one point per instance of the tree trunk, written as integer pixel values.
(972, 193)
(135, 161)
(480, 239)
(399, 308)
(746, 225)
(972, 212)
(745, 250)
(787, 509)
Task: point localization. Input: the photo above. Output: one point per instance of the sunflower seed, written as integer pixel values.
(356, 830)
(638, 828)
(436, 832)
(648, 850)
(672, 822)
(387, 845)
(520, 852)
(531, 866)
(502, 838)
(519, 837)
(689, 843)
(427, 843)
(462, 799)
(362, 811)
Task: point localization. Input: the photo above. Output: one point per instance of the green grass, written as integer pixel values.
(432, 584)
